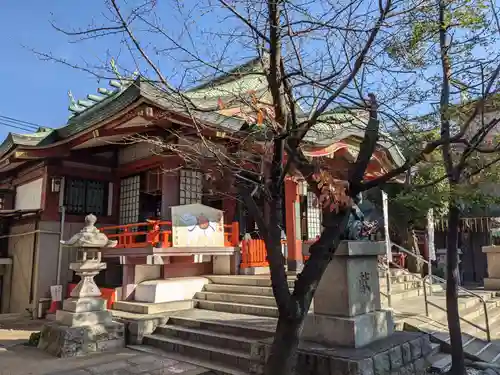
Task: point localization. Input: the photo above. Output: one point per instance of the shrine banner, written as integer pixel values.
(430, 235)
(385, 205)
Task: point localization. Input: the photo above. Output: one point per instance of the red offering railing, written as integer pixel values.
(253, 254)
(157, 233)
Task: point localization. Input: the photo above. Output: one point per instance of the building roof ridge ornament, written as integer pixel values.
(118, 85)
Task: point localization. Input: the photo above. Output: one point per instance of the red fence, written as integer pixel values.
(157, 233)
(253, 254)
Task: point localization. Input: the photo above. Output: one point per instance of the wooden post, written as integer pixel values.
(235, 233)
(292, 225)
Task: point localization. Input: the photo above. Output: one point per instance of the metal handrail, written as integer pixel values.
(428, 278)
(483, 301)
(410, 253)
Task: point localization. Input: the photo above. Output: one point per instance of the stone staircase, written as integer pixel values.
(232, 312)
(410, 315)
(216, 344)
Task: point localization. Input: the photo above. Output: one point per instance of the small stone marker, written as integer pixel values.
(492, 282)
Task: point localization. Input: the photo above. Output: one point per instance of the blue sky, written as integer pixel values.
(35, 90)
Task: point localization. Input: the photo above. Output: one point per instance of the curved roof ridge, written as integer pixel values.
(234, 73)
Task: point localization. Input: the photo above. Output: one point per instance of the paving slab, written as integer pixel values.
(23, 360)
(19, 359)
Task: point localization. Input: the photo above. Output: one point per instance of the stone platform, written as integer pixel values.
(169, 290)
(62, 341)
(402, 352)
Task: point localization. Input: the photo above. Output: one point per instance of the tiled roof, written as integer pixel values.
(331, 127)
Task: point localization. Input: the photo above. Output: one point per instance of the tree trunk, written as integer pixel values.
(281, 360)
(452, 313)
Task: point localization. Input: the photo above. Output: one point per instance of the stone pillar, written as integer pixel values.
(347, 309)
(292, 226)
(492, 282)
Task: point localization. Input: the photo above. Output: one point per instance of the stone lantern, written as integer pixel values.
(84, 325)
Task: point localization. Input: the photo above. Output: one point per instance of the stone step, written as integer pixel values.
(474, 348)
(398, 286)
(440, 363)
(233, 328)
(472, 314)
(266, 291)
(411, 293)
(227, 357)
(212, 368)
(495, 329)
(238, 308)
(435, 348)
(247, 299)
(152, 308)
(400, 279)
(395, 272)
(246, 280)
(478, 318)
(468, 307)
(216, 339)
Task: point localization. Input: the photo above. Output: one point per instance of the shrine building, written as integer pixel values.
(89, 165)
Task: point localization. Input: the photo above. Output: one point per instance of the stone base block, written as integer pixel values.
(491, 284)
(254, 271)
(354, 332)
(63, 341)
(168, 290)
(84, 304)
(403, 353)
(82, 319)
(294, 265)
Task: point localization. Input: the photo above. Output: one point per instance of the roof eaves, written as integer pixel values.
(171, 102)
(100, 111)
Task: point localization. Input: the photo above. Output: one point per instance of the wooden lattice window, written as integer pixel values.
(130, 188)
(83, 197)
(190, 186)
(313, 217)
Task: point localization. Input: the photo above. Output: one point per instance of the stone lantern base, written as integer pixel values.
(63, 341)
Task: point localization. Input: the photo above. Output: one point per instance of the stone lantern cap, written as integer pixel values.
(90, 236)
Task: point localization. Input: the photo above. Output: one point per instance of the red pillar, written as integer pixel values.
(292, 225)
(229, 208)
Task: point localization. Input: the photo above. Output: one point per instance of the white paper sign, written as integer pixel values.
(385, 205)
(56, 293)
(430, 234)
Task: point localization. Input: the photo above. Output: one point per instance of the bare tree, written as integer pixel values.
(313, 57)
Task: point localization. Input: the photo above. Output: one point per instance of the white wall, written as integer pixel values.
(29, 195)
